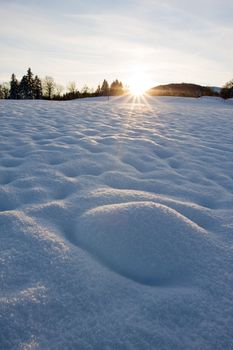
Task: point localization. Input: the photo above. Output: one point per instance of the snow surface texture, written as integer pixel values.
(116, 224)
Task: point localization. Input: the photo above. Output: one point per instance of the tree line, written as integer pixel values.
(183, 90)
(32, 87)
(227, 90)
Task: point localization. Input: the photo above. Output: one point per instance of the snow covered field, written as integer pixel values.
(116, 224)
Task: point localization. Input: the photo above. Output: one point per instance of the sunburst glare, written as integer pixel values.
(139, 82)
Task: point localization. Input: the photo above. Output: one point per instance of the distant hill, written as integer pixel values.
(184, 89)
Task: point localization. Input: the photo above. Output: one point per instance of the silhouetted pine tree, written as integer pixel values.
(116, 88)
(37, 88)
(14, 88)
(104, 91)
(23, 87)
(30, 84)
(27, 86)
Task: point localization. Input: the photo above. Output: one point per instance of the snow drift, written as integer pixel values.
(145, 241)
(116, 224)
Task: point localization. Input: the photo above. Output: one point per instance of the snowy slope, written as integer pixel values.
(116, 224)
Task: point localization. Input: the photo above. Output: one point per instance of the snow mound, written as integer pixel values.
(147, 242)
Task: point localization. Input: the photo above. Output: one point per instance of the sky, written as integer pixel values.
(88, 40)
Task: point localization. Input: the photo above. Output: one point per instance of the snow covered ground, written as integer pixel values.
(116, 224)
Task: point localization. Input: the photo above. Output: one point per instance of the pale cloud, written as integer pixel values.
(91, 40)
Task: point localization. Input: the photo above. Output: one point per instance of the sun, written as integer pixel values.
(137, 89)
(139, 82)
